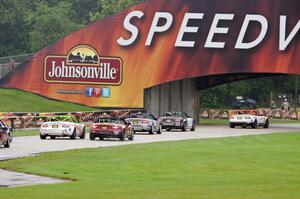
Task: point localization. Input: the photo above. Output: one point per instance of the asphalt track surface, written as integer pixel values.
(32, 145)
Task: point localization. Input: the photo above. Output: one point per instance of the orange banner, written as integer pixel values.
(109, 63)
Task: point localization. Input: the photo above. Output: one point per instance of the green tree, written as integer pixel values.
(13, 30)
(110, 7)
(49, 23)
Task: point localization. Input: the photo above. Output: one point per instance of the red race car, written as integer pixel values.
(5, 135)
(111, 128)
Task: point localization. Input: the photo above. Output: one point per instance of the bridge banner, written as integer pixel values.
(109, 63)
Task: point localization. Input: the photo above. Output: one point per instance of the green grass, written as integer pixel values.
(226, 122)
(20, 101)
(252, 167)
(21, 133)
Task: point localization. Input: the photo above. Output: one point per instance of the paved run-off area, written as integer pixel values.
(32, 145)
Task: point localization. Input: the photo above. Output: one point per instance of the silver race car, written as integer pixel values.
(177, 120)
(144, 122)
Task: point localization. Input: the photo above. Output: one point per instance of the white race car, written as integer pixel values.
(248, 119)
(62, 126)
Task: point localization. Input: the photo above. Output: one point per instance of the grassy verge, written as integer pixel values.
(225, 122)
(252, 167)
(21, 133)
(20, 101)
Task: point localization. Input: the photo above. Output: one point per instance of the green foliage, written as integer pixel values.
(259, 89)
(49, 23)
(247, 167)
(28, 26)
(109, 7)
(13, 30)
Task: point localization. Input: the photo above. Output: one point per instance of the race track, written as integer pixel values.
(32, 145)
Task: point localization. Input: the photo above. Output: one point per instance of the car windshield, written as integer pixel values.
(110, 120)
(172, 114)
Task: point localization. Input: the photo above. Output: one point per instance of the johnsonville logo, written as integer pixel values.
(83, 65)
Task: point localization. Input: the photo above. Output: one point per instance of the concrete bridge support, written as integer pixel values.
(181, 95)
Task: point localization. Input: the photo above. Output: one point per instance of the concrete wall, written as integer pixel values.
(179, 95)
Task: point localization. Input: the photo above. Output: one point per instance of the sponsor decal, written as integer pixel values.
(83, 65)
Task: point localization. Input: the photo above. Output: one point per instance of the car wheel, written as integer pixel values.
(266, 125)
(254, 124)
(52, 137)
(184, 127)
(193, 127)
(73, 136)
(43, 136)
(92, 136)
(122, 136)
(131, 137)
(7, 144)
(11, 136)
(231, 125)
(82, 136)
(159, 129)
(151, 130)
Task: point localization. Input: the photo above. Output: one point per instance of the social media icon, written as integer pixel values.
(97, 92)
(105, 92)
(89, 91)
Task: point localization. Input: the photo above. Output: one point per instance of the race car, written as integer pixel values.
(177, 120)
(111, 127)
(248, 118)
(144, 122)
(5, 135)
(62, 126)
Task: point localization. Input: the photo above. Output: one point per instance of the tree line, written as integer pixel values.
(27, 26)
